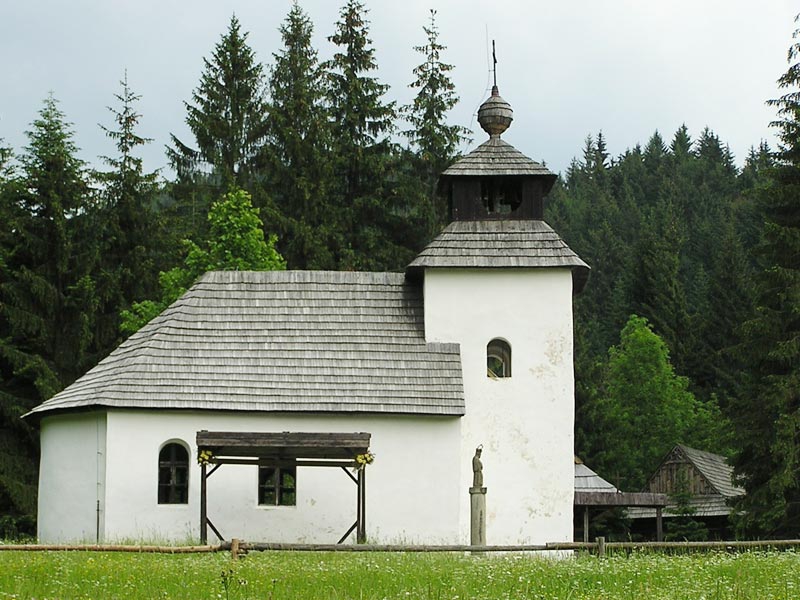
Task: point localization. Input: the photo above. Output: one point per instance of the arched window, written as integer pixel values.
(498, 358)
(173, 474)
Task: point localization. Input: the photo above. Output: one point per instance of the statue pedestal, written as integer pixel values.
(477, 521)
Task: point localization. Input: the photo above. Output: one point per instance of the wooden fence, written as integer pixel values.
(238, 547)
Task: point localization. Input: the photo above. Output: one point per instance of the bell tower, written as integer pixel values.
(496, 181)
(499, 282)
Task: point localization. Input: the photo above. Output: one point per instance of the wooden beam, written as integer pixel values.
(348, 532)
(350, 475)
(619, 499)
(215, 530)
(269, 462)
(284, 445)
(285, 438)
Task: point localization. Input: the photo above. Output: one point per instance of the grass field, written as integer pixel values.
(753, 575)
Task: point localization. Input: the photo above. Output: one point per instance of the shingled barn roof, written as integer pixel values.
(716, 475)
(715, 469)
(500, 244)
(294, 341)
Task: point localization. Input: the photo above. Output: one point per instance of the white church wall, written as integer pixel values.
(71, 478)
(412, 487)
(525, 422)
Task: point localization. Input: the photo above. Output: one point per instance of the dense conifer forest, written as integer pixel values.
(688, 331)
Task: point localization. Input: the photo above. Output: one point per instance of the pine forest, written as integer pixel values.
(687, 332)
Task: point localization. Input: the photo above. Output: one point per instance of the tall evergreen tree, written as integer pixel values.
(298, 133)
(6, 206)
(5, 162)
(47, 296)
(362, 123)
(434, 142)
(227, 116)
(657, 291)
(662, 242)
(767, 414)
(128, 224)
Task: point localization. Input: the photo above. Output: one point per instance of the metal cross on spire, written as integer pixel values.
(494, 64)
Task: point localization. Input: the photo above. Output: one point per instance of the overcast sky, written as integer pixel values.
(568, 67)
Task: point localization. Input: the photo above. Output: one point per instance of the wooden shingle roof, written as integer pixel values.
(714, 468)
(496, 157)
(500, 244)
(717, 475)
(294, 341)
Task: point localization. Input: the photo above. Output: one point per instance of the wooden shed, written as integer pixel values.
(706, 476)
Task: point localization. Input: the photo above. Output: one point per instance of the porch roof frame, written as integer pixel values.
(301, 449)
(587, 500)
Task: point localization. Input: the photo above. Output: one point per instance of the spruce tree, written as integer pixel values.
(767, 413)
(47, 294)
(227, 117)
(129, 225)
(362, 122)
(298, 135)
(6, 205)
(657, 291)
(434, 142)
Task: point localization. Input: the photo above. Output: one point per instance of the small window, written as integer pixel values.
(500, 196)
(498, 359)
(173, 474)
(277, 486)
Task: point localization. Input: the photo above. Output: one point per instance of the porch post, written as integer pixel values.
(361, 530)
(203, 505)
(586, 524)
(659, 525)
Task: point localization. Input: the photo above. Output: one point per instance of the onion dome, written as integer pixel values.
(495, 115)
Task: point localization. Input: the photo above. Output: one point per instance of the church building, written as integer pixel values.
(325, 407)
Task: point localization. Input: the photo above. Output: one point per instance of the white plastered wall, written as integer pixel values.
(412, 487)
(524, 422)
(72, 478)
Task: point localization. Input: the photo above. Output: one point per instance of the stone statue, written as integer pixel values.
(477, 468)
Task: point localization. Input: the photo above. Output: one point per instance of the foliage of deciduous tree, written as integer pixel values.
(236, 243)
(643, 409)
(767, 412)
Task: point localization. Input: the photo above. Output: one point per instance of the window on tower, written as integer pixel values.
(498, 358)
(501, 196)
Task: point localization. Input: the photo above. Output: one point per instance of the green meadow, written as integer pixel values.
(287, 575)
